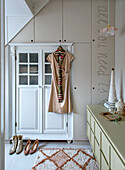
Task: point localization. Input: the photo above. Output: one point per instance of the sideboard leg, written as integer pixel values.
(69, 141)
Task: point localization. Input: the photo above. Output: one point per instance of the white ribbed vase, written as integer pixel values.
(112, 91)
(119, 105)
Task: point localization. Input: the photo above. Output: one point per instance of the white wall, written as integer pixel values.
(80, 24)
(120, 49)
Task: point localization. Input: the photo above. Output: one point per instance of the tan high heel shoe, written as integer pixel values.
(27, 147)
(34, 147)
(14, 146)
(20, 144)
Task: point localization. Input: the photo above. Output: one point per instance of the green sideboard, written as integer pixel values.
(107, 139)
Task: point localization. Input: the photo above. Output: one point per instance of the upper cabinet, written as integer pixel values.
(48, 23)
(77, 20)
(60, 21)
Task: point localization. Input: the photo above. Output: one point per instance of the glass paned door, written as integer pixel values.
(47, 70)
(53, 122)
(29, 95)
(28, 69)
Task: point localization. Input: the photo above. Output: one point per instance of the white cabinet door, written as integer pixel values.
(28, 94)
(48, 22)
(28, 110)
(77, 20)
(82, 88)
(52, 122)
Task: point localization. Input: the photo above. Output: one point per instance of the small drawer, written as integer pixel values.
(92, 123)
(97, 152)
(88, 116)
(116, 162)
(97, 132)
(88, 131)
(103, 163)
(105, 147)
(92, 140)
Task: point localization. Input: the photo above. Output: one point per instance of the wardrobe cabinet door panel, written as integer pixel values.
(53, 122)
(88, 117)
(104, 165)
(92, 140)
(92, 123)
(97, 133)
(26, 34)
(77, 20)
(88, 131)
(28, 113)
(105, 147)
(48, 23)
(97, 152)
(116, 163)
(81, 88)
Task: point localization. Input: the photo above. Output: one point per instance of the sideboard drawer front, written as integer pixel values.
(105, 147)
(92, 140)
(88, 131)
(88, 116)
(104, 165)
(97, 132)
(97, 152)
(116, 163)
(92, 123)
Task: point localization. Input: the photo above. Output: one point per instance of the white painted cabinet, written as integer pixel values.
(48, 23)
(81, 88)
(77, 20)
(59, 20)
(28, 93)
(104, 143)
(31, 84)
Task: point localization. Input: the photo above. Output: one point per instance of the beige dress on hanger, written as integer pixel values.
(54, 105)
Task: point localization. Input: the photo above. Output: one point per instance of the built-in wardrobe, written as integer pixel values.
(75, 26)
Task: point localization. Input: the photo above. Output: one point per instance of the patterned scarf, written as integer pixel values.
(59, 58)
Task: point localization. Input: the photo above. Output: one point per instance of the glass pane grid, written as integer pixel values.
(48, 79)
(23, 57)
(46, 55)
(23, 69)
(28, 69)
(48, 69)
(33, 80)
(33, 69)
(23, 80)
(33, 57)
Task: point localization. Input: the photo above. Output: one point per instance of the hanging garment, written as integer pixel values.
(60, 98)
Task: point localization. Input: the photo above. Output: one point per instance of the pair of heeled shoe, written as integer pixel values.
(17, 145)
(33, 149)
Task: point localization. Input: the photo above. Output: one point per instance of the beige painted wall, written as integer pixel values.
(120, 48)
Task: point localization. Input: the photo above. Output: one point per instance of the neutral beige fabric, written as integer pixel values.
(54, 105)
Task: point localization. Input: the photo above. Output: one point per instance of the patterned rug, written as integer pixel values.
(65, 159)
